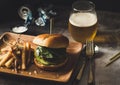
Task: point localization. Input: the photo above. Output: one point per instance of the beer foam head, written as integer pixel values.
(83, 19)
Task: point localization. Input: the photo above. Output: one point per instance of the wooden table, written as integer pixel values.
(107, 39)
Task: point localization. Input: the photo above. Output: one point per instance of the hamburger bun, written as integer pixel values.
(51, 40)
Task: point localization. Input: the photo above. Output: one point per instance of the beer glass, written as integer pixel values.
(83, 21)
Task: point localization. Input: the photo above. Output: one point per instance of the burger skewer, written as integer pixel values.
(51, 25)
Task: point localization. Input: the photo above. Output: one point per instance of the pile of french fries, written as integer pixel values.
(15, 56)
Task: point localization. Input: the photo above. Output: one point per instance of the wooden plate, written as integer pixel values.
(62, 75)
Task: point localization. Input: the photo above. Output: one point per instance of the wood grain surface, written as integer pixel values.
(61, 75)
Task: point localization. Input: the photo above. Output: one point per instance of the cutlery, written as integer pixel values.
(79, 76)
(80, 73)
(81, 70)
(90, 53)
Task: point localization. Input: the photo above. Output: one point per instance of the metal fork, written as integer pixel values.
(90, 52)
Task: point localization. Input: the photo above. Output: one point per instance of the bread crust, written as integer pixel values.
(51, 40)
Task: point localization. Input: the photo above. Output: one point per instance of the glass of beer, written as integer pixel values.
(83, 21)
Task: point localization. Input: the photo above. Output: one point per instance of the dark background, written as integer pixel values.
(9, 8)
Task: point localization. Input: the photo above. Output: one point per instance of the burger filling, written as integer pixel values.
(50, 56)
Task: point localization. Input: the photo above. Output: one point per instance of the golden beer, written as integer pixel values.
(83, 26)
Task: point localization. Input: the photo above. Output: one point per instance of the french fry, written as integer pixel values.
(16, 54)
(2, 56)
(5, 58)
(23, 66)
(9, 62)
(16, 65)
(6, 49)
(28, 53)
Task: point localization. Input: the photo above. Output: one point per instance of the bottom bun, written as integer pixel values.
(50, 67)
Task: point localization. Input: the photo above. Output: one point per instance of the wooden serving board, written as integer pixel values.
(62, 75)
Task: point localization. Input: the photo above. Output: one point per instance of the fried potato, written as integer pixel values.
(6, 57)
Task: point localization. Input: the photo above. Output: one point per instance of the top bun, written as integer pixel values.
(51, 40)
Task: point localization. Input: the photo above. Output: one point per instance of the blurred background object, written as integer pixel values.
(9, 8)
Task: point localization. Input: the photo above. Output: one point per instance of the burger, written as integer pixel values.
(50, 54)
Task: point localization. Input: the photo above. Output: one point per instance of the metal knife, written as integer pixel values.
(80, 73)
